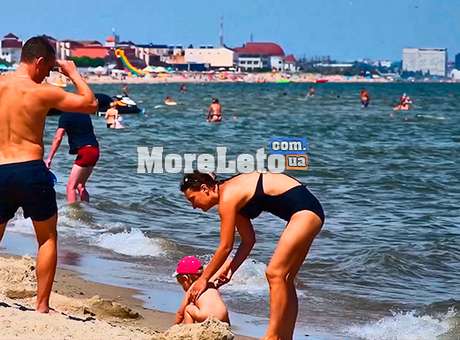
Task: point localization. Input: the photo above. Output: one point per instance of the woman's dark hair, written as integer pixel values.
(37, 47)
(196, 179)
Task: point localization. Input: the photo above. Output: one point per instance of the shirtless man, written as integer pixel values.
(25, 180)
(214, 111)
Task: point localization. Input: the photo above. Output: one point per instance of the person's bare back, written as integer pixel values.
(209, 304)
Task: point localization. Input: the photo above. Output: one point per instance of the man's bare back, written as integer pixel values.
(23, 108)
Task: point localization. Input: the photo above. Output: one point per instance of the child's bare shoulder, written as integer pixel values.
(210, 295)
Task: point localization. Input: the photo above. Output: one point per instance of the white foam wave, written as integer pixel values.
(22, 225)
(405, 326)
(249, 278)
(132, 243)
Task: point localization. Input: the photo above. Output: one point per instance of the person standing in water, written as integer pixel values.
(111, 115)
(25, 181)
(365, 98)
(83, 143)
(311, 92)
(214, 111)
(241, 199)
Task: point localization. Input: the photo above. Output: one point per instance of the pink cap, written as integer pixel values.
(189, 265)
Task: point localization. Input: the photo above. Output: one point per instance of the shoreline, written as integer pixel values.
(92, 306)
(250, 78)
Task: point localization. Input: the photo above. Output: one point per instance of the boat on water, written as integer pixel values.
(125, 105)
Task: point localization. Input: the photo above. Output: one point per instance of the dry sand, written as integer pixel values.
(86, 310)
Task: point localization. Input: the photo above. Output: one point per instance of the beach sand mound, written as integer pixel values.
(210, 329)
(103, 308)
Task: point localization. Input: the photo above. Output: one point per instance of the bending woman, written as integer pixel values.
(240, 199)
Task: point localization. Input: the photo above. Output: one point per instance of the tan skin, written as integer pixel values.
(209, 303)
(215, 112)
(287, 259)
(24, 103)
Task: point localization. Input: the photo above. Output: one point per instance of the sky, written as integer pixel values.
(343, 29)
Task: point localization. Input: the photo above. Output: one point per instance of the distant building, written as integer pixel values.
(11, 47)
(426, 60)
(214, 57)
(457, 61)
(152, 54)
(258, 56)
(81, 48)
(112, 41)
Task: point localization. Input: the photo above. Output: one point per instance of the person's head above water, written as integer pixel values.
(188, 270)
(38, 57)
(201, 189)
(215, 101)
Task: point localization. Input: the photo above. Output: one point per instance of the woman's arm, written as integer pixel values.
(248, 239)
(227, 212)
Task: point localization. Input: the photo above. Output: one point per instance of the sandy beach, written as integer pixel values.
(85, 309)
(229, 77)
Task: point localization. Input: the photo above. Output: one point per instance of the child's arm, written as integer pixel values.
(194, 314)
(180, 314)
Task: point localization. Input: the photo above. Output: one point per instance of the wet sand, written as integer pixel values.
(83, 308)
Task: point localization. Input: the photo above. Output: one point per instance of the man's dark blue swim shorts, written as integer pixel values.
(28, 185)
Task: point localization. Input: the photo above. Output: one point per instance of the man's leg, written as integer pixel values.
(76, 175)
(81, 185)
(46, 260)
(2, 230)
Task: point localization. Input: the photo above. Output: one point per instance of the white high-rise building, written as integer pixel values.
(432, 60)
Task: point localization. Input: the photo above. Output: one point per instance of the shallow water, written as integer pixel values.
(389, 183)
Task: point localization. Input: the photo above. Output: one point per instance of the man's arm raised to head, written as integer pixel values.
(82, 101)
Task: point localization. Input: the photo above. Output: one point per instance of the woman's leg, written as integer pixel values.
(286, 261)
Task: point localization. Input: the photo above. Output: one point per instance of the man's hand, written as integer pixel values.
(67, 67)
(48, 163)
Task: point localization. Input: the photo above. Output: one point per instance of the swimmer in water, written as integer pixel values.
(365, 98)
(214, 111)
(404, 103)
(112, 117)
(169, 101)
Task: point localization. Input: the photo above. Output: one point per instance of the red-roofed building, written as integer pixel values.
(81, 48)
(11, 47)
(266, 49)
(258, 56)
(90, 51)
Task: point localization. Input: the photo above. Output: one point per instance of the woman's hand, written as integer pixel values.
(224, 277)
(197, 288)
